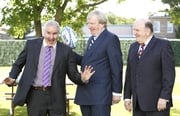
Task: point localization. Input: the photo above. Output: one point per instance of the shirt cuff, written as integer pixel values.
(116, 94)
(127, 99)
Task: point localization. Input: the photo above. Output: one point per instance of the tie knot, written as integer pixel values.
(93, 38)
(142, 44)
(49, 46)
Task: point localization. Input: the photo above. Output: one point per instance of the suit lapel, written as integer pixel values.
(59, 53)
(37, 50)
(97, 43)
(88, 43)
(135, 51)
(148, 48)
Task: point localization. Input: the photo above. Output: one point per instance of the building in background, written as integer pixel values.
(163, 28)
(3, 34)
(123, 30)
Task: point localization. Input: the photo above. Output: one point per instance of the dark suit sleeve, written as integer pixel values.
(73, 73)
(168, 70)
(77, 58)
(127, 85)
(116, 65)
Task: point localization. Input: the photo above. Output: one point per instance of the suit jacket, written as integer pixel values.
(152, 76)
(63, 64)
(106, 59)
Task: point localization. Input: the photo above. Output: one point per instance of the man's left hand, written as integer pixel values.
(116, 99)
(161, 105)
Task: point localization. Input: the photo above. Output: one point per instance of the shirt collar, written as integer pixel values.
(148, 40)
(96, 36)
(45, 44)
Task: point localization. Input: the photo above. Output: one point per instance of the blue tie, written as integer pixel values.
(92, 40)
(47, 66)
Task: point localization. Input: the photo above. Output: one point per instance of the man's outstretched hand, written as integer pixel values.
(9, 81)
(87, 73)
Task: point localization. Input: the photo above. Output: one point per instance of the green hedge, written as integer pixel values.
(9, 49)
(176, 48)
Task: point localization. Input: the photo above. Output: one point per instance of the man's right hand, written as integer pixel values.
(9, 81)
(128, 105)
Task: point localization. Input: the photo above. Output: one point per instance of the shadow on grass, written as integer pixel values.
(175, 112)
(74, 114)
(4, 112)
(19, 111)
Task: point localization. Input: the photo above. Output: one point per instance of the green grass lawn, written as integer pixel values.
(117, 110)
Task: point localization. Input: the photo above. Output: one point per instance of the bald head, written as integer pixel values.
(146, 23)
(143, 29)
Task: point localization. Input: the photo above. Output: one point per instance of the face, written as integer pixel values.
(140, 32)
(51, 35)
(94, 26)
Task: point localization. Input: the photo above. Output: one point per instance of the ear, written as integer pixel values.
(148, 31)
(102, 25)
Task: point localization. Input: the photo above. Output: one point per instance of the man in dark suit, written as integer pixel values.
(150, 73)
(104, 55)
(49, 99)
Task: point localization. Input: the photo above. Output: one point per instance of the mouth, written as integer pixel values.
(51, 41)
(92, 31)
(137, 36)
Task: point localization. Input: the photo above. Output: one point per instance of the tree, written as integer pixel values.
(174, 12)
(113, 19)
(19, 15)
(23, 15)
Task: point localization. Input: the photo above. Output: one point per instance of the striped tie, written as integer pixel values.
(91, 41)
(141, 50)
(47, 66)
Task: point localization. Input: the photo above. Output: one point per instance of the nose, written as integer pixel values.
(51, 36)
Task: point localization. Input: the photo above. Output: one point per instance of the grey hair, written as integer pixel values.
(149, 25)
(101, 16)
(52, 23)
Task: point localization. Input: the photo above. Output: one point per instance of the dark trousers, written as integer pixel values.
(139, 112)
(39, 104)
(95, 110)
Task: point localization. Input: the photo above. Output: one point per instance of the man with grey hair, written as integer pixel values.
(150, 73)
(46, 63)
(103, 53)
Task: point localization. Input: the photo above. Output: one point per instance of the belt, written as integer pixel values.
(41, 88)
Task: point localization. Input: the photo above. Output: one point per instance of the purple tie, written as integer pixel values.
(47, 66)
(141, 50)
